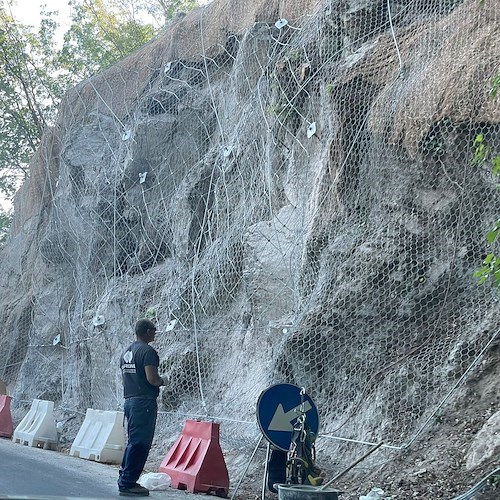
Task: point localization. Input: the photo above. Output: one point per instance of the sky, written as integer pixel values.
(28, 11)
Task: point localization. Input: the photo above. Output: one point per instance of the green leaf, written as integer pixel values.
(495, 85)
(496, 165)
(479, 139)
(481, 150)
(491, 236)
(489, 258)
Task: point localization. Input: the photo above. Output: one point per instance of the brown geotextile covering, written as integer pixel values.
(462, 57)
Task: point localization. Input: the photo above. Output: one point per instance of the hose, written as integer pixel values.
(477, 487)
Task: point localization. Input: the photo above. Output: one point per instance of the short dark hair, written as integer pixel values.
(142, 327)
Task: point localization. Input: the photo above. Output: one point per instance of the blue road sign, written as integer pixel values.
(278, 408)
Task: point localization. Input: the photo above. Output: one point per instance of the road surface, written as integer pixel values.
(36, 473)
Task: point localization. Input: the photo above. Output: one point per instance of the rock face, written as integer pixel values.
(293, 190)
(486, 444)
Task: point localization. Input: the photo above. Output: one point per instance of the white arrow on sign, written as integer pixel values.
(282, 421)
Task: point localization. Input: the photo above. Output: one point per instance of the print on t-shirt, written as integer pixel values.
(128, 366)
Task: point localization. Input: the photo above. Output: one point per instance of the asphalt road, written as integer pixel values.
(36, 473)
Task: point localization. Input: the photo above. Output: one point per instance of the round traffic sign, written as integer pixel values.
(278, 408)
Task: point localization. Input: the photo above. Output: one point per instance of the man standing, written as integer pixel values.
(141, 386)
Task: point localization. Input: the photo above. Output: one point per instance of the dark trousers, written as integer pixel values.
(141, 422)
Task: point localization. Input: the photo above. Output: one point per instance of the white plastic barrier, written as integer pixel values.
(38, 428)
(101, 437)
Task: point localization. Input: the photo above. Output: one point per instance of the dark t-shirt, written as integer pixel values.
(132, 363)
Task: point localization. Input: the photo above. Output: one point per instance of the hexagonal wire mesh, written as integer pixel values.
(304, 203)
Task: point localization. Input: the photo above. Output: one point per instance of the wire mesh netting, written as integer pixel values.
(300, 194)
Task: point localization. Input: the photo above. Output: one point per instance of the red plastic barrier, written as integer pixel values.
(195, 462)
(6, 428)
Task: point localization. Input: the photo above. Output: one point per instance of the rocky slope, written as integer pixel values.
(293, 191)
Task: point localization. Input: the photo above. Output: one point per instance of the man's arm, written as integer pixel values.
(152, 376)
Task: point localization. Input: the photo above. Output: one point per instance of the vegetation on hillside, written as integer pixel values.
(490, 270)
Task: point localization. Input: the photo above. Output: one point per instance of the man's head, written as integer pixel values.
(145, 330)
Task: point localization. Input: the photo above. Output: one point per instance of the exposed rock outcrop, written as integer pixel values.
(289, 202)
